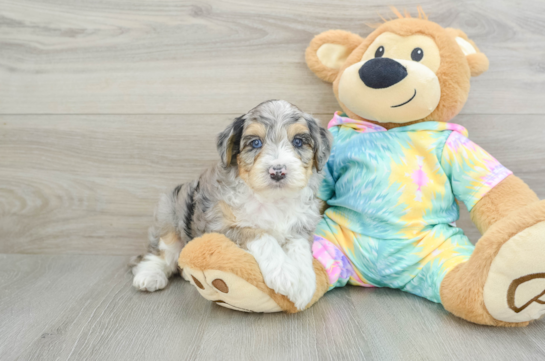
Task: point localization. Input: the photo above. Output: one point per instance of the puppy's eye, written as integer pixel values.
(297, 142)
(417, 54)
(380, 52)
(256, 144)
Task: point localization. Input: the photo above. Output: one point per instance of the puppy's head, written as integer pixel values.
(276, 147)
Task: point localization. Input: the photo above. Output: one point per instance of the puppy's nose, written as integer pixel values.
(278, 172)
(379, 73)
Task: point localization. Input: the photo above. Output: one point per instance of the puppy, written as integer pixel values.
(261, 195)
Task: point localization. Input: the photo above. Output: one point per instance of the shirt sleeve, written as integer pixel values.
(327, 188)
(472, 171)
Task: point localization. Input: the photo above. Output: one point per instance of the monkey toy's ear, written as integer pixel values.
(477, 61)
(328, 51)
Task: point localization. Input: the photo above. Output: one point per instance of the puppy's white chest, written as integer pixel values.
(274, 217)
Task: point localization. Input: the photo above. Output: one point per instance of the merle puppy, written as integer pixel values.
(262, 195)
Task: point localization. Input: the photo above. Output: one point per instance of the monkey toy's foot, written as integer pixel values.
(515, 288)
(229, 276)
(503, 283)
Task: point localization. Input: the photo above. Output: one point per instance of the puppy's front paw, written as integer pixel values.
(278, 273)
(150, 280)
(306, 288)
(283, 277)
(296, 283)
(289, 277)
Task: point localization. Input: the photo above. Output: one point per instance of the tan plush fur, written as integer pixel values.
(508, 196)
(462, 288)
(478, 62)
(506, 210)
(341, 37)
(217, 252)
(453, 73)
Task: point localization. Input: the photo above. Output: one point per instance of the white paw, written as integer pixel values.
(283, 279)
(293, 278)
(150, 281)
(278, 273)
(298, 284)
(305, 290)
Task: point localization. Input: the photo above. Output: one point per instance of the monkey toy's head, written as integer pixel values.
(407, 71)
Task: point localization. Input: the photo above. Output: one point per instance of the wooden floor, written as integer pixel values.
(104, 104)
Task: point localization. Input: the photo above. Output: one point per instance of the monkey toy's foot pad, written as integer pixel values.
(515, 287)
(230, 291)
(229, 276)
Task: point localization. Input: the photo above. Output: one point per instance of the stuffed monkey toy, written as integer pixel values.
(392, 182)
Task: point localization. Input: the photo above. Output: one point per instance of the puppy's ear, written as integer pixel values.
(328, 51)
(229, 142)
(477, 61)
(322, 139)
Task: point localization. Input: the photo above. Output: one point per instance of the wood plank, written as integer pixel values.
(63, 307)
(143, 57)
(83, 307)
(400, 326)
(89, 184)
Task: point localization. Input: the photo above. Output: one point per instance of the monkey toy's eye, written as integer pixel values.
(380, 52)
(417, 54)
(256, 144)
(297, 142)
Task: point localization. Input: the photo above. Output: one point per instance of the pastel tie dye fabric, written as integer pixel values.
(392, 203)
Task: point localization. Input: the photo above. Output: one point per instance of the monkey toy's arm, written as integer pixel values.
(510, 196)
(503, 283)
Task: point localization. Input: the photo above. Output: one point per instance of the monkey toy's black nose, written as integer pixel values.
(379, 73)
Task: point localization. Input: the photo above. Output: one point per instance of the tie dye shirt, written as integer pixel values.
(392, 203)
